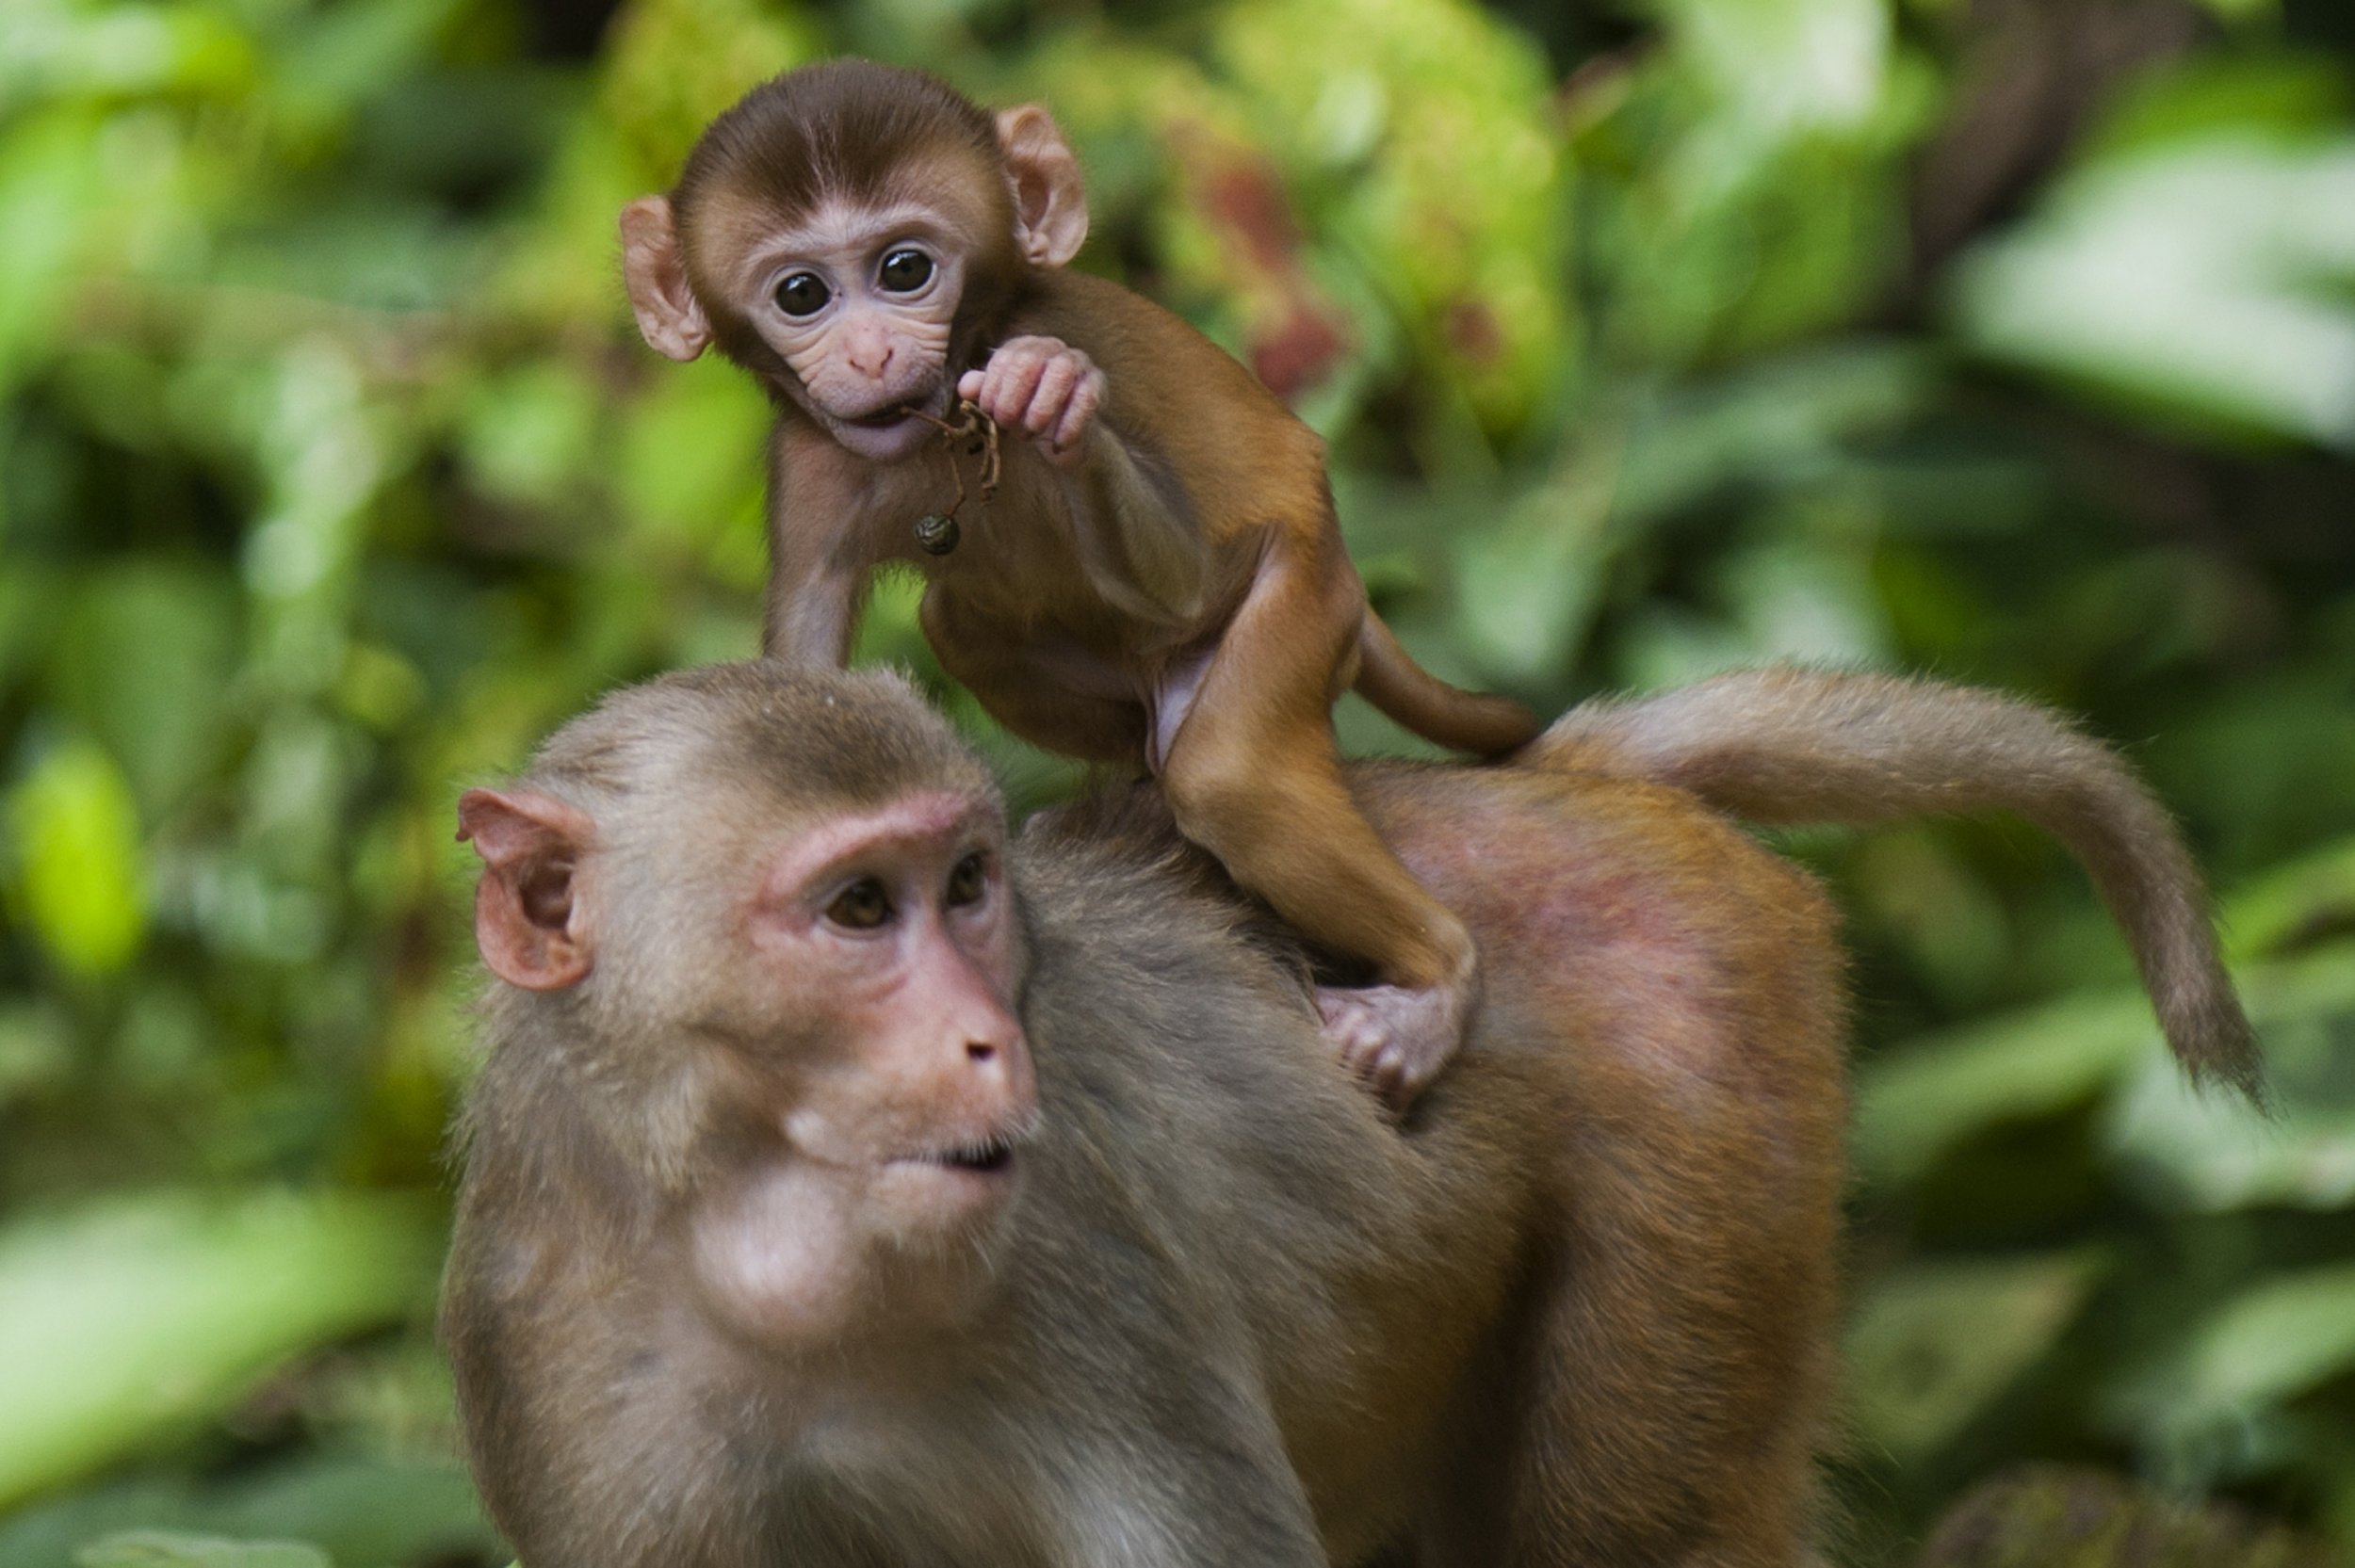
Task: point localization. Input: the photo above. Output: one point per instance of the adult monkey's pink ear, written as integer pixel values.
(1050, 204)
(529, 918)
(669, 317)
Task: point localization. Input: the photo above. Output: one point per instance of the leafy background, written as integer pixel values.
(2009, 340)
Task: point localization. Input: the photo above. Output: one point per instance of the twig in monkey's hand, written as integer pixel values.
(937, 532)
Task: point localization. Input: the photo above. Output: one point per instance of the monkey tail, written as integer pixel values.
(1388, 677)
(1791, 746)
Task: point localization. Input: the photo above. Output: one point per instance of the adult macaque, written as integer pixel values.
(849, 1187)
(1154, 580)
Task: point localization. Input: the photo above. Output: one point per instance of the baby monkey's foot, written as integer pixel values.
(1395, 1037)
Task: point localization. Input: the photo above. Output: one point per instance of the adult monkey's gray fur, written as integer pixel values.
(847, 1186)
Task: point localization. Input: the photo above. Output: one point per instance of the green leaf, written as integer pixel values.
(1777, 422)
(672, 65)
(367, 1513)
(689, 460)
(80, 876)
(1528, 586)
(131, 1319)
(1798, 601)
(2245, 10)
(162, 1549)
(2293, 904)
(1915, 1107)
(2204, 283)
(347, 53)
(53, 49)
(2203, 1151)
(35, 1049)
(2049, 1515)
(528, 435)
(2206, 95)
(1787, 66)
(2267, 1345)
(1935, 1343)
(166, 712)
(1426, 145)
(49, 182)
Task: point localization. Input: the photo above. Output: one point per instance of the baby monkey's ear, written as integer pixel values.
(1050, 206)
(529, 916)
(669, 317)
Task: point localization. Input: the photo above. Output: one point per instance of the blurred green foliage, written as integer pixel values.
(2053, 1516)
(2012, 340)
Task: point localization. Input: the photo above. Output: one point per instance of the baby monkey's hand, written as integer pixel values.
(1041, 386)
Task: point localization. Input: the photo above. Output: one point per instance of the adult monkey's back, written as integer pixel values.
(771, 1252)
(1791, 745)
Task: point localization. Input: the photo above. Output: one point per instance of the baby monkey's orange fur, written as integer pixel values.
(1159, 581)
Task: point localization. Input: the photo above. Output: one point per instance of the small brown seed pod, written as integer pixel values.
(936, 535)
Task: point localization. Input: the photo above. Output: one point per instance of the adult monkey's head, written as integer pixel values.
(754, 925)
(848, 233)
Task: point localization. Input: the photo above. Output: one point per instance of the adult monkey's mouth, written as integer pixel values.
(986, 1156)
(983, 1154)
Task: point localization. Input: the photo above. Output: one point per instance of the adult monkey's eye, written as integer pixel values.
(905, 270)
(860, 907)
(968, 881)
(803, 294)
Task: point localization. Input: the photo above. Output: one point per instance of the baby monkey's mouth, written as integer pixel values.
(892, 415)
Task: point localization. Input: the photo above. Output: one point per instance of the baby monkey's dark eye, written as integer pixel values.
(860, 907)
(803, 294)
(906, 270)
(968, 881)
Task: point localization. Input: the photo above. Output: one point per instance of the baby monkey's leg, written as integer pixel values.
(1252, 776)
(1031, 692)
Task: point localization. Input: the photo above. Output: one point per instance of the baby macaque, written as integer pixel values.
(852, 1186)
(1147, 572)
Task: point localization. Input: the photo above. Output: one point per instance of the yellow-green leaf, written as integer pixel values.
(80, 879)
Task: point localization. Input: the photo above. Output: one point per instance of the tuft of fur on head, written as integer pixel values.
(853, 132)
(830, 738)
(687, 774)
(844, 130)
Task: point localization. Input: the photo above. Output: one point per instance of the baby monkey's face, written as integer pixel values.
(857, 269)
(860, 303)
